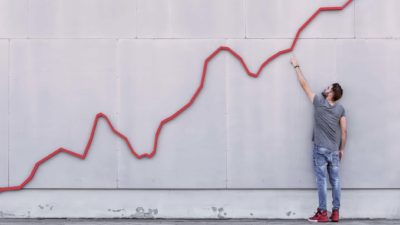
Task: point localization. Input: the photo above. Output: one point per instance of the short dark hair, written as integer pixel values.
(337, 91)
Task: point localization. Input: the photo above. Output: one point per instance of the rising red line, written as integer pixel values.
(177, 113)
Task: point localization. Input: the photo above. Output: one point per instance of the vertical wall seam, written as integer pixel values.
(226, 118)
(8, 113)
(118, 111)
(354, 19)
(245, 18)
(27, 19)
(136, 21)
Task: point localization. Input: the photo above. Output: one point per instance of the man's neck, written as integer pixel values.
(331, 102)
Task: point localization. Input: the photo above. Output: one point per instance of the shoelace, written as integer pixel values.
(317, 213)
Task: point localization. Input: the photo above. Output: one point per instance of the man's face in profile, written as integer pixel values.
(326, 92)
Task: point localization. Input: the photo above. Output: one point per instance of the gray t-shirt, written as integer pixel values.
(327, 132)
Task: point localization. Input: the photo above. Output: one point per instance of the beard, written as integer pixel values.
(324, 94)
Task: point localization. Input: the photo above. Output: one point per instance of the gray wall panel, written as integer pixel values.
(82, 18)
(281, 19)
(4, 44)
(158, 78)
(57, 87)
(377, 19)
(369, 70)
(191, 19)
(14, 18)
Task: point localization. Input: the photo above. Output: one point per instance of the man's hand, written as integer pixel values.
(294, 62)
(341, 153)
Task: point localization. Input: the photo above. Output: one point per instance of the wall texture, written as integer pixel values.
(243, 150)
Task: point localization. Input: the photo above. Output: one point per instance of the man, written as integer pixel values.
(329, 137)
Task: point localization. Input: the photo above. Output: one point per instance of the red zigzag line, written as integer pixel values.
(177, 113)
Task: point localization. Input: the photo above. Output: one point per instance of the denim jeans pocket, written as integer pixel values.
(319, 159)
(335, 158)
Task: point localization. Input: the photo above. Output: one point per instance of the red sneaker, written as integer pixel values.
(319, 217)
(335, 215)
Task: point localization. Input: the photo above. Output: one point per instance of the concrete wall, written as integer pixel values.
(243, 150)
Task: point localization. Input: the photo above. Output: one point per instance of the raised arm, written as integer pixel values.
(302, 80)
(343, 127)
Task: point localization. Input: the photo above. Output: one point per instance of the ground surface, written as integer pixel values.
(182, 222)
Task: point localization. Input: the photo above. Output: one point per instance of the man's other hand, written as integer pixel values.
(294, 62)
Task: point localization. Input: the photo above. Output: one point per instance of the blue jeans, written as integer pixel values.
(326, 160)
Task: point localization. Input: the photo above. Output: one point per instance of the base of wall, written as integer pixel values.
(202, 204)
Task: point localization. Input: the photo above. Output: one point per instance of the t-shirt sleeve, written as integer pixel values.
(317, 101)
(343, 113)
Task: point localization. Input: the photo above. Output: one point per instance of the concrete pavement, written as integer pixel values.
(183, 222)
